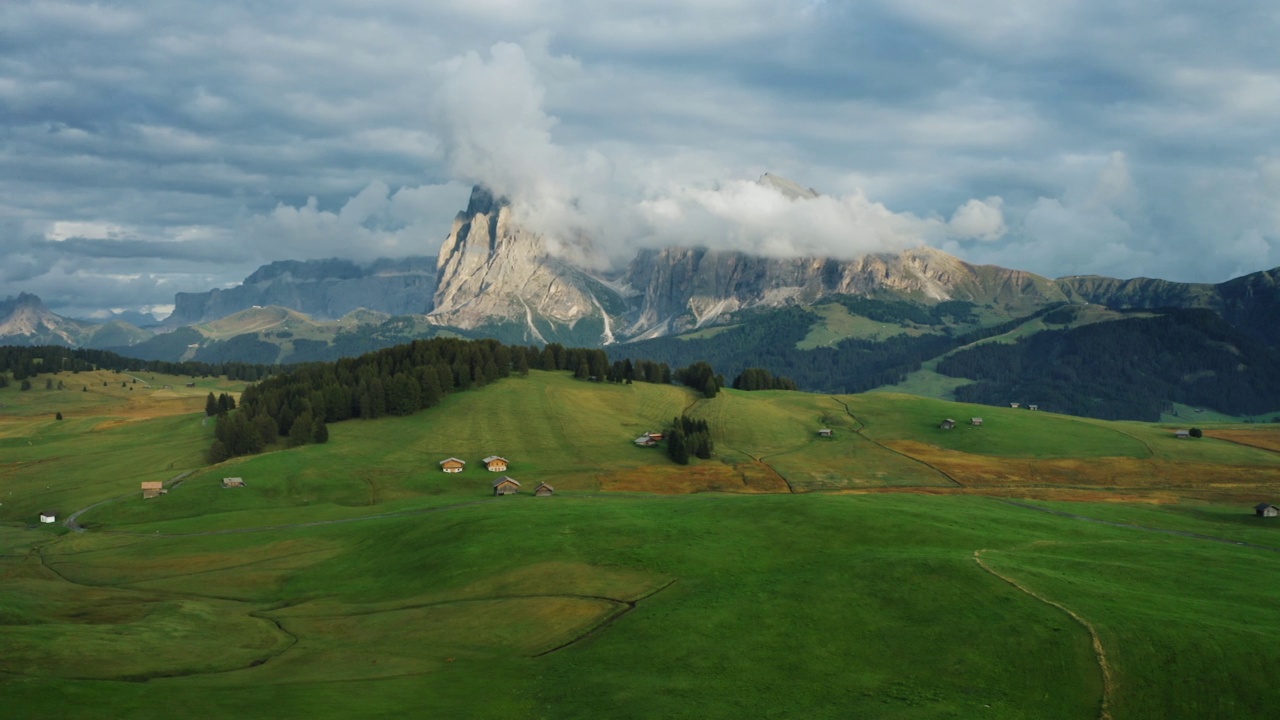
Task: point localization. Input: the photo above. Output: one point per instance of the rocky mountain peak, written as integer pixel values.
(788, 188)
(493, 271)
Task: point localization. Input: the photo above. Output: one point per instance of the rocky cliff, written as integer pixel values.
(323, 289)
(493, 272)
(683, 288)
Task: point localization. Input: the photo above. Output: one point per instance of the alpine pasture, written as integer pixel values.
(895, 570)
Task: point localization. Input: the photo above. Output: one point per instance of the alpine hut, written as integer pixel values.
(505, 486)
(452, 465)
(493, 463)
(545, 490)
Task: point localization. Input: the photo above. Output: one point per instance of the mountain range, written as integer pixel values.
(494, 277)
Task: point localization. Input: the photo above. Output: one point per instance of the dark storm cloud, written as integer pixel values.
(150, 147)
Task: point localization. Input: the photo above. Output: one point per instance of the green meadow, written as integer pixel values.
(879, 573)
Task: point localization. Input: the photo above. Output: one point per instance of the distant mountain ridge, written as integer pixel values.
(323, 289)
(493, 277)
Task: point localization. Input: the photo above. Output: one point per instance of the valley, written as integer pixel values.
(894, 570)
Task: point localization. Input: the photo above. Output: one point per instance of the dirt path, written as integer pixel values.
(72, 521)
(1108, 683)
(630, 605)
(878, 444)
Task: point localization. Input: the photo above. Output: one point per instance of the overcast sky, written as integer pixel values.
(149, 147)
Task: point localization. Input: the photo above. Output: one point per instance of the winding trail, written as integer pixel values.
(73, 520)
(1108, 682)
(859, 430)
(630, 605)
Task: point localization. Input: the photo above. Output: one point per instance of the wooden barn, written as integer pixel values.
(48, 516)
(1015, 406)
(452, 465)
(493, 463)
(1266, 510)
(824, 432)
(545, 490)
(976, 422)
(153, 489)
(646, 441)
(233, 482)
(1033, 406)
(505, 486)
(1182, 434)
(947, 424)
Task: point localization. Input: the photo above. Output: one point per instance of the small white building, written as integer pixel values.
(48, 516)
(233, 482)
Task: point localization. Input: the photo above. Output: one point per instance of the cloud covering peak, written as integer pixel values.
(154, 147)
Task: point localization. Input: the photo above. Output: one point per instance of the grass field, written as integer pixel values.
(789, 576)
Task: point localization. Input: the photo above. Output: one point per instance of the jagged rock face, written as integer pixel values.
(25, 320)
(323, 289)
(685, 288)
(491, 270)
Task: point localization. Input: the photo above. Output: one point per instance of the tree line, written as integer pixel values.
(296, 406)
(28, 362)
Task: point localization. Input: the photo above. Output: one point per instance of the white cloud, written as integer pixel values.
(979, 220)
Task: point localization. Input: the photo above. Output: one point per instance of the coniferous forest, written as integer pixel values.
(1127, 369)
(295, 407)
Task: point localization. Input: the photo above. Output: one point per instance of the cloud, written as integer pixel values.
(979, 220)
(990, 130)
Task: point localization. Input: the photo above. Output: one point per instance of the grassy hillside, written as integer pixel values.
(859, 576)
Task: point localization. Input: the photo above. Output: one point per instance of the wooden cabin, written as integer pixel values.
(1015, 406)
(824, 432)
(947, 424)
(545, 490)
(655, 436)
(505, 486)
(1182, 434)
(48, 516)
(976, 422)
(453, 465)
(153, 489)
(646, 441)
(1266, 510)
(232, 482)
(493, 463)
(1033, 406)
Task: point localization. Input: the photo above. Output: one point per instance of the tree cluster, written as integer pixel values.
(701, 377)
(220, 405)
(688, 437)
(761, 379)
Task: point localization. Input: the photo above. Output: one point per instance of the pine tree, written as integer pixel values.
(58, 416)
(211, 405)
